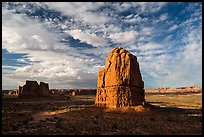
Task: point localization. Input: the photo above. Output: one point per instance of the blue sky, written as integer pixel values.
(65, 44)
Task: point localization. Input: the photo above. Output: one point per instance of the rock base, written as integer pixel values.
(119, 96)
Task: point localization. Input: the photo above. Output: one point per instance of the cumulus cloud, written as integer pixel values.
(174, 27)
(66, 44)
(80, 11)
(151, 46)
(42, 48)
(146, 31)
(151, 7)
(163, 16)
(91, 39)
(123, 37)
(22, 33)
(193, 50)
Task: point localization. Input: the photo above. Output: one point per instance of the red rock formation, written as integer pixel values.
(30, 89)
(43, 89)
(20, 90)
(33, 89)
(120, 83)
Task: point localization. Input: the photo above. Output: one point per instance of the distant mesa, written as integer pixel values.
(33, 89)
(120, 83)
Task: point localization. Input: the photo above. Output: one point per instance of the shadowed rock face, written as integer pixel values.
(33, 89)
(120, 83)
(44, 89)
(30, 89)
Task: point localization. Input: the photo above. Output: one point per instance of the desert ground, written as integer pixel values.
(172, 113)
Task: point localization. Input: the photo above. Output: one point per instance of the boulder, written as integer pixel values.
(120, 83)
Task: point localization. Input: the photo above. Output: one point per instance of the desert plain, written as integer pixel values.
(166, 112)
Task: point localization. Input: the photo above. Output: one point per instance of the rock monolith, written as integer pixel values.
(33, 89)
(120, 83)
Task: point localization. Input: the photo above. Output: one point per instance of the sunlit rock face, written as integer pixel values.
(120, 83)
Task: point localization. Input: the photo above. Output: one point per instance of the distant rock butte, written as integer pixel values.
(43, 89)
(33, 89)
(120, 83)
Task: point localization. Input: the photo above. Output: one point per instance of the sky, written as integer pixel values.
(66, 44)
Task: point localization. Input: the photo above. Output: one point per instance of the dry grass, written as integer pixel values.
(164, 115)
(176, 100)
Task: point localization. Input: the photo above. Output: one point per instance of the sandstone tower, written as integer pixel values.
(33, 89)
(120, 83)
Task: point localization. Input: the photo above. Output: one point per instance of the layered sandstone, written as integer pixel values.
(120, 83)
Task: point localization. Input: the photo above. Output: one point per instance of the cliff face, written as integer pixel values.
(120, 82)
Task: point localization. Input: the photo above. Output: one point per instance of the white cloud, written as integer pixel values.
(18, 34)
(123, 37)
(174, 27)
(146, 31)
(36, 37)
(150, 7)
(193, 50)
(163, 59)
(135, 19)
(91, 39)
(151, 46)
(56, 61)
(9, 67)
(163, 17)
(80, 11)
(110, 29)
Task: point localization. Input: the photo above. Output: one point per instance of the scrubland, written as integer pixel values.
(163, 114)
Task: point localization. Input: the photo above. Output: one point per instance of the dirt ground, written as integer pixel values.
(167, 114)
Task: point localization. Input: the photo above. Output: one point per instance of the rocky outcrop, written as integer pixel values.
(33, 89)
(30, 89)
(13, 92)
(120, 83)
(44, 89)
(20, 89)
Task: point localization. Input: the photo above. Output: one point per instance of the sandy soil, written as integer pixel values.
(79, 116)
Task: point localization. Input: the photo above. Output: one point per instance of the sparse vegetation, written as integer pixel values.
(169, 115)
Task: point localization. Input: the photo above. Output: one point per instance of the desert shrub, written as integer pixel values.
(24, 123)
(58, 124)
(30, 118)
(55, 117)
(14, 127)
(49, 119)
(114, 126)
(67, 97)
(152, 119)
(42, 120)
(169, 119)
(59, 119)
(97, 116)
(95, 121)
